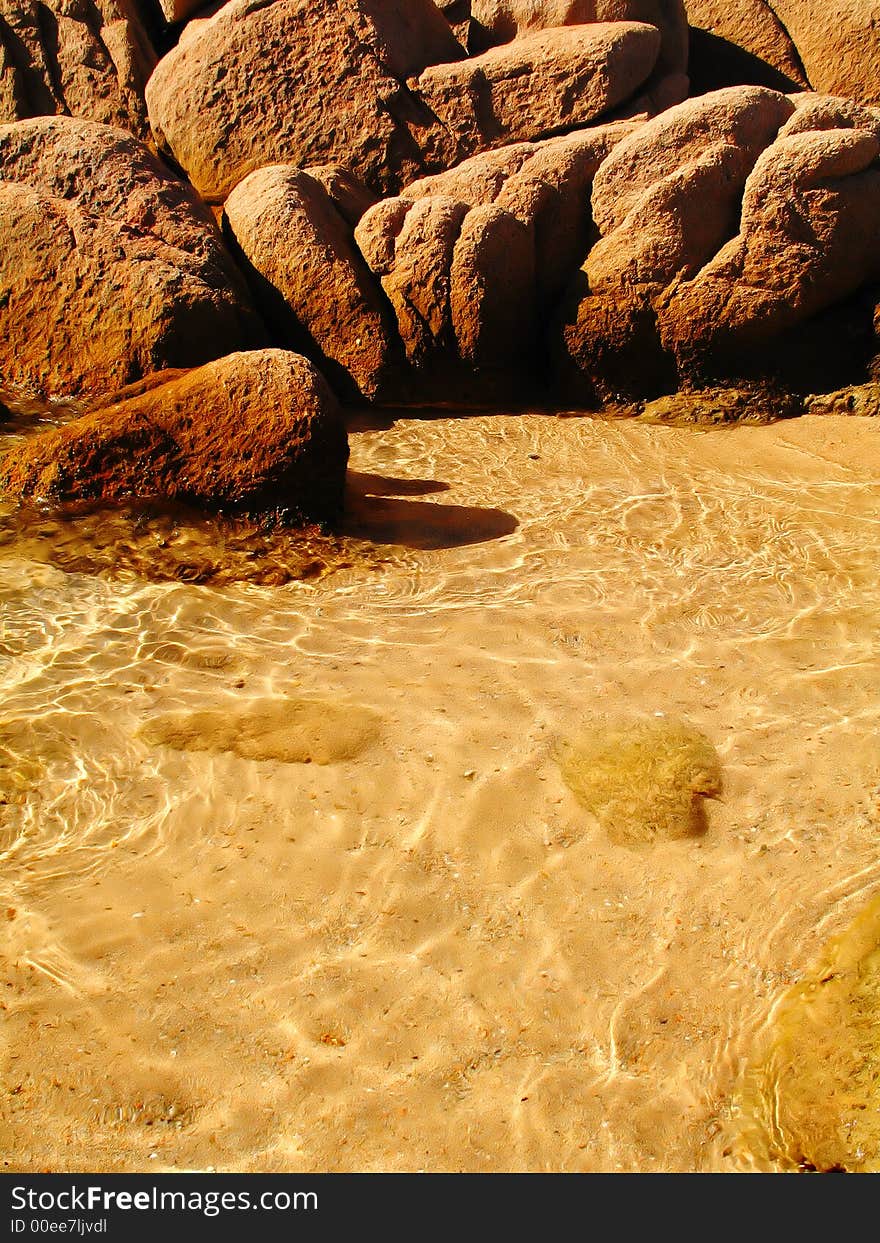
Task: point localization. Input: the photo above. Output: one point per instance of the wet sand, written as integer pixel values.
(421, 951)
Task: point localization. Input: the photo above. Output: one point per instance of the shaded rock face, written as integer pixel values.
(309, 279)
(110, 268)
(473, 260)
(379, 86)
(257, 431)
(738, 239)
(82, 58)
(829, 45)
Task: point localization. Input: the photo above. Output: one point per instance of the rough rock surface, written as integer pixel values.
(830, 45)
(376, 85)
(859, 399)
(499, 21)
(83, 58)
(110, 268)
(546, 81)
(473, 259)
(736, 231)
(302, 82)
(256, 431)
(308, 278)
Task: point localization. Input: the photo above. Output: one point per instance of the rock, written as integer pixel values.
(110, 268)
(736, 242)
(474, 258)
(350, 197)
(860, 399)
(829, 45)
(82, 58)
(256, 431)
(720, 406)
(544, 82)
(644, 780)
(808, 240)
(499, 21)
(313, 287)
(283, 731)
(741, 42)
(302, 82)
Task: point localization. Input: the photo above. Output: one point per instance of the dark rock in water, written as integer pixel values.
(110, 267)
(255, 432)
(731, 225)
(88, 58)
(310, 282)
(717, 406)
(860, 399)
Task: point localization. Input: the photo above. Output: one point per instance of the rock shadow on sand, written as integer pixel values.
(376, 511)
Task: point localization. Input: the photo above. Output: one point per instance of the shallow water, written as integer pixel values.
(421, 951)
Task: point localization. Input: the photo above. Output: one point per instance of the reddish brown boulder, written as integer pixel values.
(829, 45)
(735, 228)
(256, 431)
(472, 259)
(302, 82)
(82, 58)
(547, 81)
(499, 21)
(110, 268)
(313, 287)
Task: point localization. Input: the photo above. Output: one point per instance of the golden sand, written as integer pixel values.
(429, 954)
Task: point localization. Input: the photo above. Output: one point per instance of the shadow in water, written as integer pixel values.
(375, 512)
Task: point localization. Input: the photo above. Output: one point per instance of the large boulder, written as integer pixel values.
(377, 85)
(499, 21)
(301, 82)
(309, 279)
(82, 58)
(829, 45)
(547, 81)
(258, 432)
(473, 260)
(110, 268)
(738, 239)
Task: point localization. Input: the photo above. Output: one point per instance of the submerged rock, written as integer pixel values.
(644, 781)
(257, 432)
(287, 731)
(85, 58)
(110, 268)
(309, 279)
(735, 229)
(810, 1100)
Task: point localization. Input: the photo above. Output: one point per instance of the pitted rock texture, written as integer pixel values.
(738, 237)
(302, 82)
(309, 280)
(110, 268)
(258, 431)
(82, 58)
(379, 86)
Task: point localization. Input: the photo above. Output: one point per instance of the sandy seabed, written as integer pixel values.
(290, 876)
